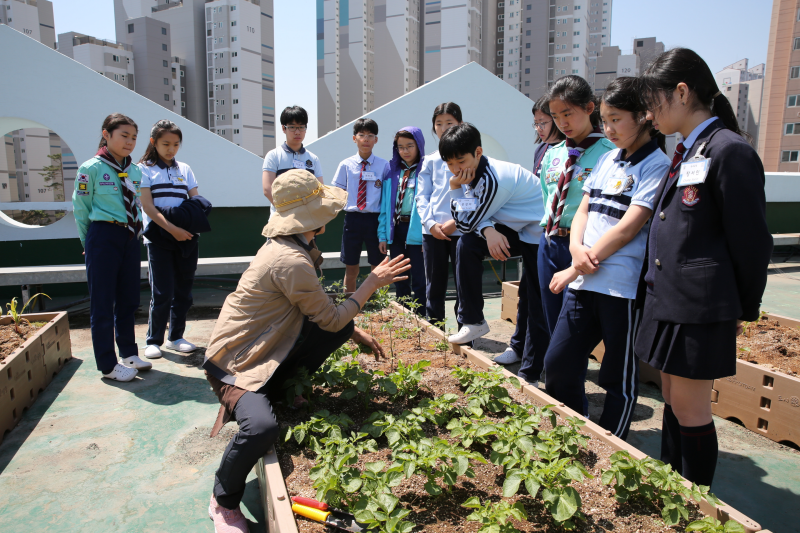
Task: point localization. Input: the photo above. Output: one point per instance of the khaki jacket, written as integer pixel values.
(260, 322)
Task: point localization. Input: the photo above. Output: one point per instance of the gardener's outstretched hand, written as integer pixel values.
(362, 337)
(389, 271)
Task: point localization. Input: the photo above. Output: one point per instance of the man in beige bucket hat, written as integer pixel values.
(278, 320)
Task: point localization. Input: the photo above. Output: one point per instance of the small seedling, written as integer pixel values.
(17, 316)
(494, 517)
(710, 524)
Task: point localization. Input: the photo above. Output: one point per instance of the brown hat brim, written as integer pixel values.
(307, 216)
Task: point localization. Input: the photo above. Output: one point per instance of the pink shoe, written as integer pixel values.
(226, 520)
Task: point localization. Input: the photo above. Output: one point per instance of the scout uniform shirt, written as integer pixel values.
(169, 185)
(283, 159)
(614, 185)
(347, 178)
(554, 164)
(98, 194)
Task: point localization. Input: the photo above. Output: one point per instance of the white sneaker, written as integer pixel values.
(509, 357)
(180, 345)
(469, 332)
(153, 351)
(135, 362)
(121, 373)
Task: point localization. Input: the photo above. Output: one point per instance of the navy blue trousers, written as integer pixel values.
(416, 276)
(553, 257)
(587, 318)
(112, 271)
(531, 338)
(171, 279)
(438, 257)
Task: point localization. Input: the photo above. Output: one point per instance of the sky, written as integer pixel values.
(721, 31)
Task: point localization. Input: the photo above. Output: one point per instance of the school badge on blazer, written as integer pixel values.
(690, 196)
(309, 163)
(378, 184)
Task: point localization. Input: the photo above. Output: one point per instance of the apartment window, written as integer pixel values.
(577, 20)
(500, 52)
(500, 40)
(794, 73)
(233, 23)
(163, 31)
(234, 54)
(529, 7)
(792, 100)
(577, 8)
(501, 16)
(235, 69)
(116, 58)
(576, 33)
(576, 46)
(236, 132)
(183, 89)
(501, 4)
(499, 65)
(183, 104)
(130, 28)
(563, 33)
(234, 39)
(236, 116)
(527, 45)
(574, 71)
(166, 98)
(792, 129)
(796, 43)
(235, 85)
(223, 117)
(166, 81)
(164, 47)
(233, 8)
(235, 100)
(527, 32)
(527, 58)
(527, 84)
(575, 58)
(164, 62)
(527, 71)
(183, 73)
(501, 28)
(789, 156)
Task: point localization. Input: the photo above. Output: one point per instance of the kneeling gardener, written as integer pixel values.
(278, 320)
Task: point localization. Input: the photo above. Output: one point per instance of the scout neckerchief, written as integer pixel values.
(560, 197)
(402, 194)
(128, 190)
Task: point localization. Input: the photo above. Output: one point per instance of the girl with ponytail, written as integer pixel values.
(610, 227)
(708, 252)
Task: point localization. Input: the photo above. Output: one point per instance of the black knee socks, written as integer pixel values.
(671, 440)
(699, 450)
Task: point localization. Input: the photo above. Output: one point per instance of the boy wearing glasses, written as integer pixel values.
(362, 177)
(291, 154)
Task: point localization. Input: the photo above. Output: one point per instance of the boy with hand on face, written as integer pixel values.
(362, 177)
(497, 206)
(291, 154)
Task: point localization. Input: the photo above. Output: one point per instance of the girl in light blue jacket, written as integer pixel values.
(399, 223)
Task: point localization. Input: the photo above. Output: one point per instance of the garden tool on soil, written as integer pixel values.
(321, 512)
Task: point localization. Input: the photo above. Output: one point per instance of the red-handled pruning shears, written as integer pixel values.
(322, 512)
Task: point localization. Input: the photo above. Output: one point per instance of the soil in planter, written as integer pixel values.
(10, 340)
(768, 344)
(444, 514)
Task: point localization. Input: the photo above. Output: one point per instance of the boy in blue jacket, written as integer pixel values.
(399, 223)
(496, 206)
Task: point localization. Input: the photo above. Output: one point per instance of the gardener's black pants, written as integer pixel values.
(258, 427)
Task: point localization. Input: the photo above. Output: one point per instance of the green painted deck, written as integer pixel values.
(91, 455)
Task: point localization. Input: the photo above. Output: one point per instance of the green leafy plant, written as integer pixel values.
(321, 423)
(17, 316)
(437, 459)
(651, 480)
(442, 345)
(299, 385)
(495, 517)
(407, 377)
(399, 430)
(485, 390)
(438, 410)
(469, 430)
(380, 513)
(710, 524)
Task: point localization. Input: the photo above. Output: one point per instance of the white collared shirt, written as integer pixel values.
(689, 142)
(169, 185)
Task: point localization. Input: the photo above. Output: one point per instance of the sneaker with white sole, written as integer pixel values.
(469, 332)
(121, 373)
(227, 520)
(180, 345)
(135, 362)
(509, 357)
(153, 351)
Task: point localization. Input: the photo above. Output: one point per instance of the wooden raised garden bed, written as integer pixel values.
(29, 368)
(433, 404)
(764, 395)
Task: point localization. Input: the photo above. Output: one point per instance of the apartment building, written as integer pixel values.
(111, 59)
(743, 87)
(241, 73)
(779, 127)
(612, 63)
(34, 18)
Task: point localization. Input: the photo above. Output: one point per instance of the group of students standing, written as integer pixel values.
(671, 290)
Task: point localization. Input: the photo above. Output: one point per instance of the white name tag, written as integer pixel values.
(411, 184)
(466, 205)
(368, 176)
(693, 172)
(299, 164)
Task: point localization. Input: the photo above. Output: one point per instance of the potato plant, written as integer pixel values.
(494, 517)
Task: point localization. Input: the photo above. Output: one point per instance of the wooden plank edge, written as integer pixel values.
(274, 496)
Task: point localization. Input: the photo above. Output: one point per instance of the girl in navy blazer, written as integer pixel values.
(708, 252)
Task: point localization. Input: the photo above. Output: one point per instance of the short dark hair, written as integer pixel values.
(365, 124)
(459, 140)
(294, 114)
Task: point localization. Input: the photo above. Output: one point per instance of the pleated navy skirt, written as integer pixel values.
(694, 351)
